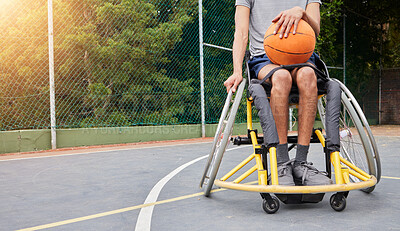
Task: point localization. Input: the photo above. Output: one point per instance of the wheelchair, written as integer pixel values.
(354, 160)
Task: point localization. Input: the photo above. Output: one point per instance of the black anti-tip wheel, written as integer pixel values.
(271, 208)
(338, 202)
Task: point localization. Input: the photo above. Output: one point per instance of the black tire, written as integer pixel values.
(271, 208)
(368, 190)
(338, 202)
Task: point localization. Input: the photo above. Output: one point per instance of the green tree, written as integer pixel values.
(327, 45)
(23, 65)
(112, 63)
(372, 29)
(124, 45)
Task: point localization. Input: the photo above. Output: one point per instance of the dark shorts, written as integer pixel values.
(256, 63)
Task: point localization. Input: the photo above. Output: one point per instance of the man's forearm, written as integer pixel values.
(312, 16)
(238, 51)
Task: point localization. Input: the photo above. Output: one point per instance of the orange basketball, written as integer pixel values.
(296, 48)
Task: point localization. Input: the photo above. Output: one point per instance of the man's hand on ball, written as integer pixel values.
(286, 19)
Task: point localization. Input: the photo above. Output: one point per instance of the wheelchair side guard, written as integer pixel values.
(333, 103)
(267, 121)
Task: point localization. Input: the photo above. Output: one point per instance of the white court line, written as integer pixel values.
(95, 152)
(144, 219)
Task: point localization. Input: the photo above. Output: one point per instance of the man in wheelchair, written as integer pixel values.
(252, 19)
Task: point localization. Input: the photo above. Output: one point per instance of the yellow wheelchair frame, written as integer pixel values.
(348, 176)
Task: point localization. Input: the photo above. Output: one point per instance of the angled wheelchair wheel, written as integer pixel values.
(357, 144)
(365, 124)
(221, 138)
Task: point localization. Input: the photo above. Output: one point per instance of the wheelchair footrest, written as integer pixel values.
(245, 140)
(300, 198)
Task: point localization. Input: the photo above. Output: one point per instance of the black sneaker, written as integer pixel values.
(309, 175)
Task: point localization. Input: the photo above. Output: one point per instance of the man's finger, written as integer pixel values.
(235, 86)
(289, 25)
(283, 28)
(278, 24)
(277, 17)
(227, 85)
(296, 23)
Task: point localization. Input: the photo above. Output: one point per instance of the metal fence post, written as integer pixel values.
(51, 75)
(344, 49)
(203, 123)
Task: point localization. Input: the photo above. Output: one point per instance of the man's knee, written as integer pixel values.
(281, 81)
(306, 80)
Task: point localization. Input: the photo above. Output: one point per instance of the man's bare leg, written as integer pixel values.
(306, 81)
(281, 84)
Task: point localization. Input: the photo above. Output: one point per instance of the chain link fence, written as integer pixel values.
(24, 95)
(116, 62)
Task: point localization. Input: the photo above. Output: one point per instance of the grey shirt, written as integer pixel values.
(261, 14)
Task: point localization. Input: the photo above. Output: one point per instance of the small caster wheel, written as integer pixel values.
(271, 208)
(338, 202)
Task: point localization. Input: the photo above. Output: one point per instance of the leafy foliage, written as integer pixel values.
(110, 62)
(132, 62)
